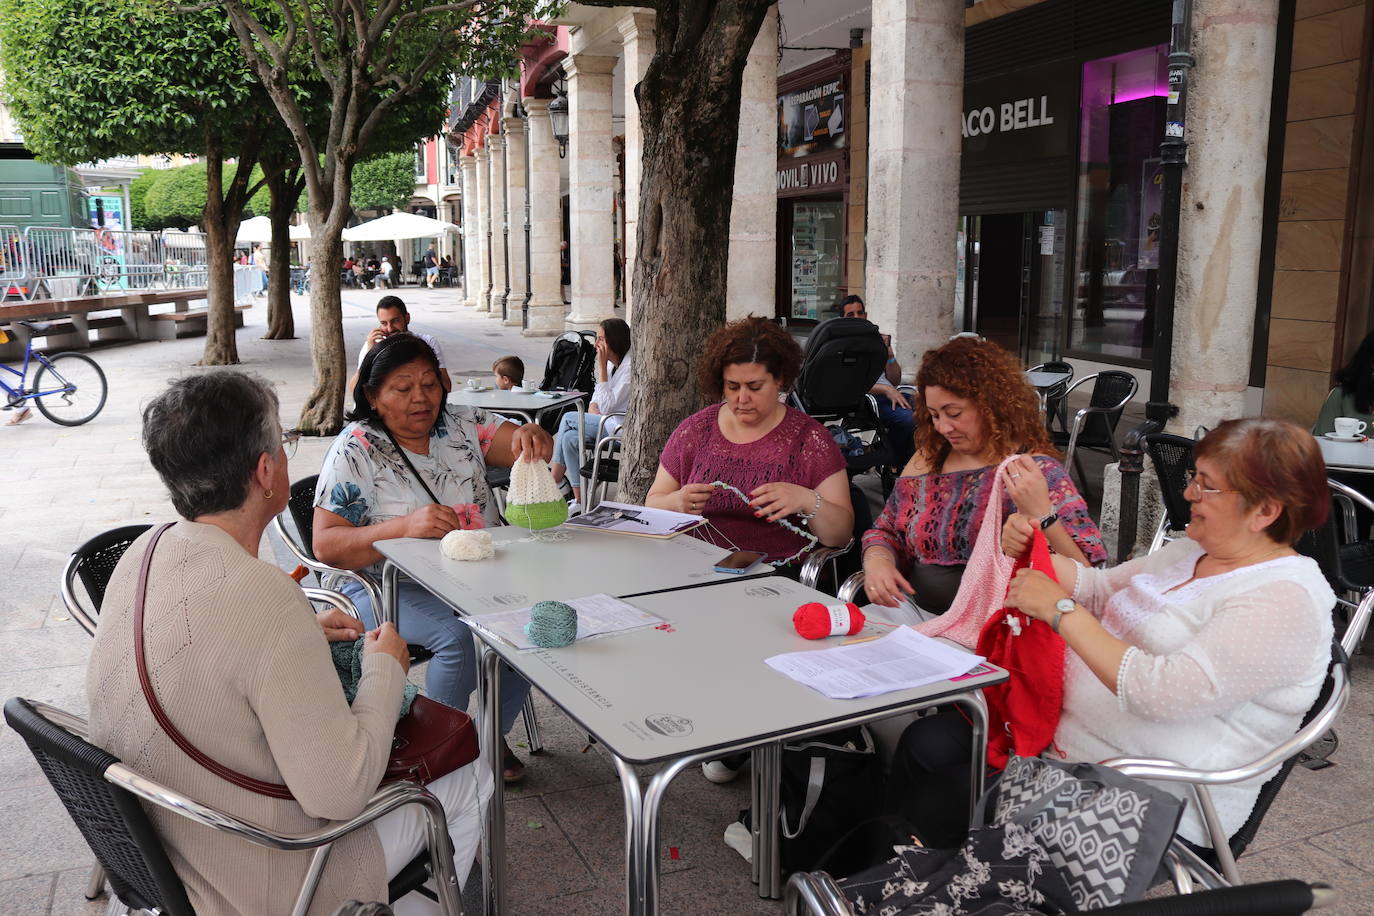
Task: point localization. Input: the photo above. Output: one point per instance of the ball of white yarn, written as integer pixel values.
(467, 545)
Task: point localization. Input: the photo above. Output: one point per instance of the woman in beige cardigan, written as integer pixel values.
(242, 668)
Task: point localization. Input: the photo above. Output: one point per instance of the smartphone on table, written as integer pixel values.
(738, 561)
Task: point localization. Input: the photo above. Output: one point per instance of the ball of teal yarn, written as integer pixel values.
(537, 516)
(552, 625)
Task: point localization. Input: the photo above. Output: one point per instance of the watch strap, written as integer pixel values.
(1047, 520)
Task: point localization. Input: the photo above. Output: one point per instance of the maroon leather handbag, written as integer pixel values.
(430, 741)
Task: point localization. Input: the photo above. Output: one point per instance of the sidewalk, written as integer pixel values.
(565, 824)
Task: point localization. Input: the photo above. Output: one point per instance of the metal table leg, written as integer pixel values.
(634, 831)
(390, 594)
(766, 820)
(976, 708)
(494, 837)
(653, 800)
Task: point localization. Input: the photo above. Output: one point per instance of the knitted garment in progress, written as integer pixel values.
(798, 450)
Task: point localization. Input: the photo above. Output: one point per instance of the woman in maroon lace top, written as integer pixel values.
(973, 409)
(784, 460)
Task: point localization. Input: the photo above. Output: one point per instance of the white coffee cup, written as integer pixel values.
(1349, 427)
(474, 383)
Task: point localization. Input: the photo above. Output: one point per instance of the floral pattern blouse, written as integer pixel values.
(934, 518)
(365, 481)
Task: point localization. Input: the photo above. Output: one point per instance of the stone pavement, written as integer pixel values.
(565, 824)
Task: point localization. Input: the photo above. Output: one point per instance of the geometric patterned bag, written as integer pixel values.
(1105, 832)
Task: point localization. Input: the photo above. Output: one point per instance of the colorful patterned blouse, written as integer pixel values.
(365, 481)
(934, 519)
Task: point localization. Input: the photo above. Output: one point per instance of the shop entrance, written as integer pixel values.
(1013, 280)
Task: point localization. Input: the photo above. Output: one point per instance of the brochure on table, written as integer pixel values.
(898, 661)
(622, 518)
(597, 615)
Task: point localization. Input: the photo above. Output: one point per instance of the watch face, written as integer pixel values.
(1064, 605)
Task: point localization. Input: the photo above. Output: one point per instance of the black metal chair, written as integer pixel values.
(92, 563)
(1345, 558)
(1055, 398)
(1172, 457)
(105, 799)
(1094, 427)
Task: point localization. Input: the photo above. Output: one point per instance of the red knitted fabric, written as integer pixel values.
(1023, 712)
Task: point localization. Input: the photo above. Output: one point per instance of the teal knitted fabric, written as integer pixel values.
(348, 662)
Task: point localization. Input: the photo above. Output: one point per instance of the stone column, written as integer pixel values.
(516, 261)
(751, 283)
(483, 292)
(1223, 205)
(637, 30)
(915, 113)
(499, 223)
(467, 166)
(591, 169)
(546, 308)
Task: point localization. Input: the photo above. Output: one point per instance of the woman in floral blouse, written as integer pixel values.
(974, 408)
(410, 466)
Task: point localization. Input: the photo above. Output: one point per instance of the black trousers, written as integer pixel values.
(929, 783)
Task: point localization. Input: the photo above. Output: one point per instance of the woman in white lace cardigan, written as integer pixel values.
(1209, 651)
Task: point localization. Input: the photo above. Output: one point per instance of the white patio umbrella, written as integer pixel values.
(398, 226)
(259, 230)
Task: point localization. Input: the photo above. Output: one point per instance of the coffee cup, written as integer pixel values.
(474, 384)
(1349, 427)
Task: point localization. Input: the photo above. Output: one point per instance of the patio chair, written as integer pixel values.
(1346, 559)
(93, 563)
(1056, 405)
(300, 506)
(816, 894)
(1172, 457)
(105, 799)
(1094, 427)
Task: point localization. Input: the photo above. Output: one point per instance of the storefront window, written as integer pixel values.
(1117, 257)
(816, 256)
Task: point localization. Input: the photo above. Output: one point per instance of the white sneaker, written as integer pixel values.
(574, 508)
(720, 772)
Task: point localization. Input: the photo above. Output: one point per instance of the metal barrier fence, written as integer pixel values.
(52, 263)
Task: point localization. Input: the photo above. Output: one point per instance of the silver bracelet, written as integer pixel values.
(806, 517)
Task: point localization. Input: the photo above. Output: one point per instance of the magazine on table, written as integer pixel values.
(622, 518)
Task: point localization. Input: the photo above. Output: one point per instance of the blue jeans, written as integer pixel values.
(452, 675)
(900, 427)
(565, 450)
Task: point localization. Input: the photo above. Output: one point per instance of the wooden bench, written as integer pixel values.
(72, 320)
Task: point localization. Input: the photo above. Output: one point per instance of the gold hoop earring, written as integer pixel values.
(268, 494)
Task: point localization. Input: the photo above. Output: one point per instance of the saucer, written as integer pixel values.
(1335, 438)
(478, 388)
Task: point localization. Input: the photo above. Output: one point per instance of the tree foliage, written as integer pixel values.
(177, 198)
(385, 181)
(138, 190)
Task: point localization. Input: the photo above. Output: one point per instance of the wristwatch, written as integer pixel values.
(1061, 607)
(1047, 520)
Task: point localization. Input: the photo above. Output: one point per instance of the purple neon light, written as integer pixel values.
(1158, 92)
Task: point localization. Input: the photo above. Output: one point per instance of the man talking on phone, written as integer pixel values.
(894, 410)
(393, 318)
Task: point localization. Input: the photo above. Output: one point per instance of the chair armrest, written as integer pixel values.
(374, 592)
(816, 560)
(72, 603)
(850, 587)
(601, 423)
(814, 893)
(333, 599)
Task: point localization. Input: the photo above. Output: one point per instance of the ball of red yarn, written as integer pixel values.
(814, 620)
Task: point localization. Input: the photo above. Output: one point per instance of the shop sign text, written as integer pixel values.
(1018, 115)
(808, 175)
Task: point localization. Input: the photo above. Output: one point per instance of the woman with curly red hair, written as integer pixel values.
(973, 409)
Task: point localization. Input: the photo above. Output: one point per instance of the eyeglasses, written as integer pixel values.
(1192, 483)
(289, 439)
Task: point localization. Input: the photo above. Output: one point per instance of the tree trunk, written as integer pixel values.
(221, 224)
(689, 106)
(283, 188)
(322, 414)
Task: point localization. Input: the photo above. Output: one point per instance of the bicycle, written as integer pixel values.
(68, 388)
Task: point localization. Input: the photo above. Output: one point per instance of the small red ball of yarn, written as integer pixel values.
(814, 620)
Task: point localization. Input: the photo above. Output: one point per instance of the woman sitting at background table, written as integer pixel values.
(974, 408)
(410, 466)
(1207, 652)
(242, 668)
(1353, 395)
(611, 396)
(784, 461)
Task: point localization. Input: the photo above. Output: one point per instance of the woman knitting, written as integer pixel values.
(974, 408)
(409, 466)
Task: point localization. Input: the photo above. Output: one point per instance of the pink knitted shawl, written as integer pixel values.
(983, 587)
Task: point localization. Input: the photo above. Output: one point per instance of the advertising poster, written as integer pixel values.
(812, 120)
(113, 205)
(1151, 196)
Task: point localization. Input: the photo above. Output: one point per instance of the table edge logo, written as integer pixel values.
(668, 724)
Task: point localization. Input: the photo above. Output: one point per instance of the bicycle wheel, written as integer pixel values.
(71, 389)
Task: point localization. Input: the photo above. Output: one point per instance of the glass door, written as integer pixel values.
(1013, 269)
(815, 264)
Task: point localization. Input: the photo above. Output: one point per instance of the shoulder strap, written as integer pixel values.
(406, 459)
(272, 789)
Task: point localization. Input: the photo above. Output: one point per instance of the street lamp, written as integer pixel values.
(558, 120)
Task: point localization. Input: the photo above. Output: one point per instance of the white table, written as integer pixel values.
(1356, 457)
(526, 571)
(694, 690)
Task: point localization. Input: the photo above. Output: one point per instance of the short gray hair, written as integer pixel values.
(204, 435)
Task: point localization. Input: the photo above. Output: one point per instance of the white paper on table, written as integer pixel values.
(897, 661)
(597, 615)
